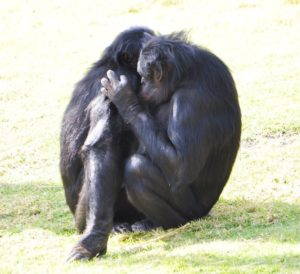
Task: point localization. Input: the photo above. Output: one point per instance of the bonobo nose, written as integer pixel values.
(146, 96)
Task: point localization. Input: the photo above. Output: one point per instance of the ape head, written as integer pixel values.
(125, 49)
(163, 64)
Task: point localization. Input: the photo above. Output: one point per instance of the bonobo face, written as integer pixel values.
(124, 52)
(129, 44)
(150, 68)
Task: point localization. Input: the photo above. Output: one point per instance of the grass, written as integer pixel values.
(46, 47)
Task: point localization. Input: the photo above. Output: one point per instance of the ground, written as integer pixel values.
(47, 46)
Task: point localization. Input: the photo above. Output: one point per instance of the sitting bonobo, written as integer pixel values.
(187, 121)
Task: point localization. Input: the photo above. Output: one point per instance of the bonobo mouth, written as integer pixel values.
(146, 97)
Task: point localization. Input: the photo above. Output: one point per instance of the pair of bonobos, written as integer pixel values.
(149, 137)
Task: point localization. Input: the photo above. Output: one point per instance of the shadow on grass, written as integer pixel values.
(41, 205)
(238, 236)
(232, 221)
(34, 205)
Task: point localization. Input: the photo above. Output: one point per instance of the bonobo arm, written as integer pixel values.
(181, 150)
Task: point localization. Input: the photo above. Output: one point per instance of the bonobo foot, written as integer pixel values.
(121, 228)
(88, 247)
(143, 226)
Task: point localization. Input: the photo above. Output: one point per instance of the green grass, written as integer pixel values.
(47, 46)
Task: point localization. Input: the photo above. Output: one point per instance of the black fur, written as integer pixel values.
(94, 136)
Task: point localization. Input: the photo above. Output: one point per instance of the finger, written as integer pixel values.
(104, 91)
(106, 84)
(123, 80)
(112, 76)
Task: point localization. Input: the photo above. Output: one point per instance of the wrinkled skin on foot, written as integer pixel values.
(94, 245)
(143, 226)
(87, 248)
(140, 226)
(79, 253)
(121, 228)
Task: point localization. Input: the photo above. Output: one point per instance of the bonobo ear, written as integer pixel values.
(157, 71)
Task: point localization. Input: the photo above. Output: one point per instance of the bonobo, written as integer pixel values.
(187, 120)
(94, 145)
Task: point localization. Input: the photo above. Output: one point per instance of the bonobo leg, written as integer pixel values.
(149, 193)
(103, 167)
(81, 209)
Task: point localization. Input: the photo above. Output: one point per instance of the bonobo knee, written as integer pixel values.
(135, 170)
(135, 167)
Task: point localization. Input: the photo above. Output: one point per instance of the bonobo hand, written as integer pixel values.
(112, 86)
(121, 94)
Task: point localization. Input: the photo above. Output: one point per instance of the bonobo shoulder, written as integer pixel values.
(189, 95)
(185, 105)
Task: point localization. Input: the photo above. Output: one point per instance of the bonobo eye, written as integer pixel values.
(128, 60)
(126, 57)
